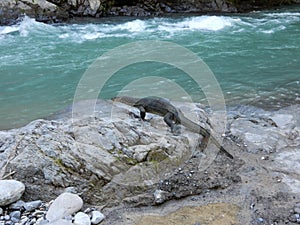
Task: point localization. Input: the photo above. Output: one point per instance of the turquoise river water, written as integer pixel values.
(255, 58)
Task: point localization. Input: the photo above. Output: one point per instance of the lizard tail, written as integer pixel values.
(222, 149)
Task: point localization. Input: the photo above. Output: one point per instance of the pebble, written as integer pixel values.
(10, 191)
(59, 212)
(15, 216)
(295, 214)
(7, 217)
(261, 220)
(294, 218)
(24, 219)
(97, 217)
(64, 205)
(30, 206)
(17, 205)
(82, 219)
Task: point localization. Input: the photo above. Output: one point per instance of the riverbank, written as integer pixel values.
(141, 172)
(61, 11)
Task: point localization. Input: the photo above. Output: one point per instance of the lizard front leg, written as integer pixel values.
(142, 112)
(168, 118)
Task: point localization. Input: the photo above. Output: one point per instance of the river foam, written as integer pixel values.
(137, 27)
(152, 28)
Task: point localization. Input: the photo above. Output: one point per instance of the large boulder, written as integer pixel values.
(110, 157)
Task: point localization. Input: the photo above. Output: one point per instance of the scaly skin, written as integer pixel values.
(171, 114)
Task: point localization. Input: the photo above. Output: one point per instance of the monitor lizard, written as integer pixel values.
(171, 114)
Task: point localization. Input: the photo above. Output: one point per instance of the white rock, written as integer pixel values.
(64, 205)
(10, 191)
(297, 210)
(160, 196)
(61, 222)
(82, 219)
(97, 217)
(94, 4)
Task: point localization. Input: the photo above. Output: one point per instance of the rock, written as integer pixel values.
(81, 219)
(282, 120)
(256, 137)
(6, 217)
(10, 191)
(30, 206)
(72, 190)
(160, 196)
(94, 4)
(15, 216)
(17, 205)
(97, 217)
(294, 217)
(64, 205)
(42, 10)
(1, 211)
(297, 210)
(260, 220)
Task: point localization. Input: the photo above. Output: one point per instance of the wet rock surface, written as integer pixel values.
(131, 166)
